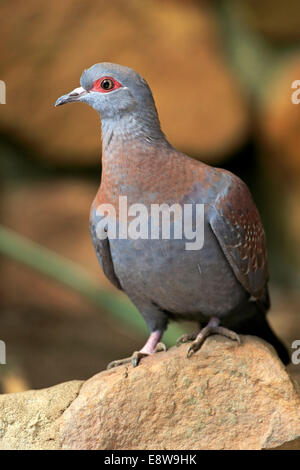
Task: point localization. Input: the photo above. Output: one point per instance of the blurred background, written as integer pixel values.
(221, 74)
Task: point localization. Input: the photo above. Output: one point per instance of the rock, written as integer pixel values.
(224, 397)
(176, 46)
(29, 420)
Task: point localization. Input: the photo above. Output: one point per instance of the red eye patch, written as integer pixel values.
(105, 85)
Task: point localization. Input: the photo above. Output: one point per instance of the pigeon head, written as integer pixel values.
(114, 91)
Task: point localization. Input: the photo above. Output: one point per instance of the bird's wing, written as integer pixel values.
(237, 226)
(103, 253)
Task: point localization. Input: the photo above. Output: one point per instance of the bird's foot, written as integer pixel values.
(134, 360)
(136, 357)
(212, 328)
(186, 338)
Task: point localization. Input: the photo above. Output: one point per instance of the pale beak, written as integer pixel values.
(72, 96)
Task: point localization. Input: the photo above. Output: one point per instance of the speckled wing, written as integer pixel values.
(237, 225)
(103, 253)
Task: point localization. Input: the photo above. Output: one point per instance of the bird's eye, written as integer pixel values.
(107, 84)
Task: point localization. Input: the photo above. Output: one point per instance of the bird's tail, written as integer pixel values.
(258, 325)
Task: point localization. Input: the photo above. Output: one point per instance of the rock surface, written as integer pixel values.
(29, 420)
(224, 397)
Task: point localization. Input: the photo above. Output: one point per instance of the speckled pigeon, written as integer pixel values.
(223, 285)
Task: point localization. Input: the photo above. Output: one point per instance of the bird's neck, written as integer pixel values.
(131, 143)
(133, 151)
(143, 131)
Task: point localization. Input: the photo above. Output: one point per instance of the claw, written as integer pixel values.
(160, 347)
(134, 360)
(186, 338)
(136, 357)
(196, 345)
(191, 349)
(117, 363)
(210, 329)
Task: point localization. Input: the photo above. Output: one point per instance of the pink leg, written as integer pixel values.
(152, 345)
(152, 342)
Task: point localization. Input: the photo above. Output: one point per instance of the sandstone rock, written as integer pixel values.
(175, 45)
(29, 420)
(224, 397)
